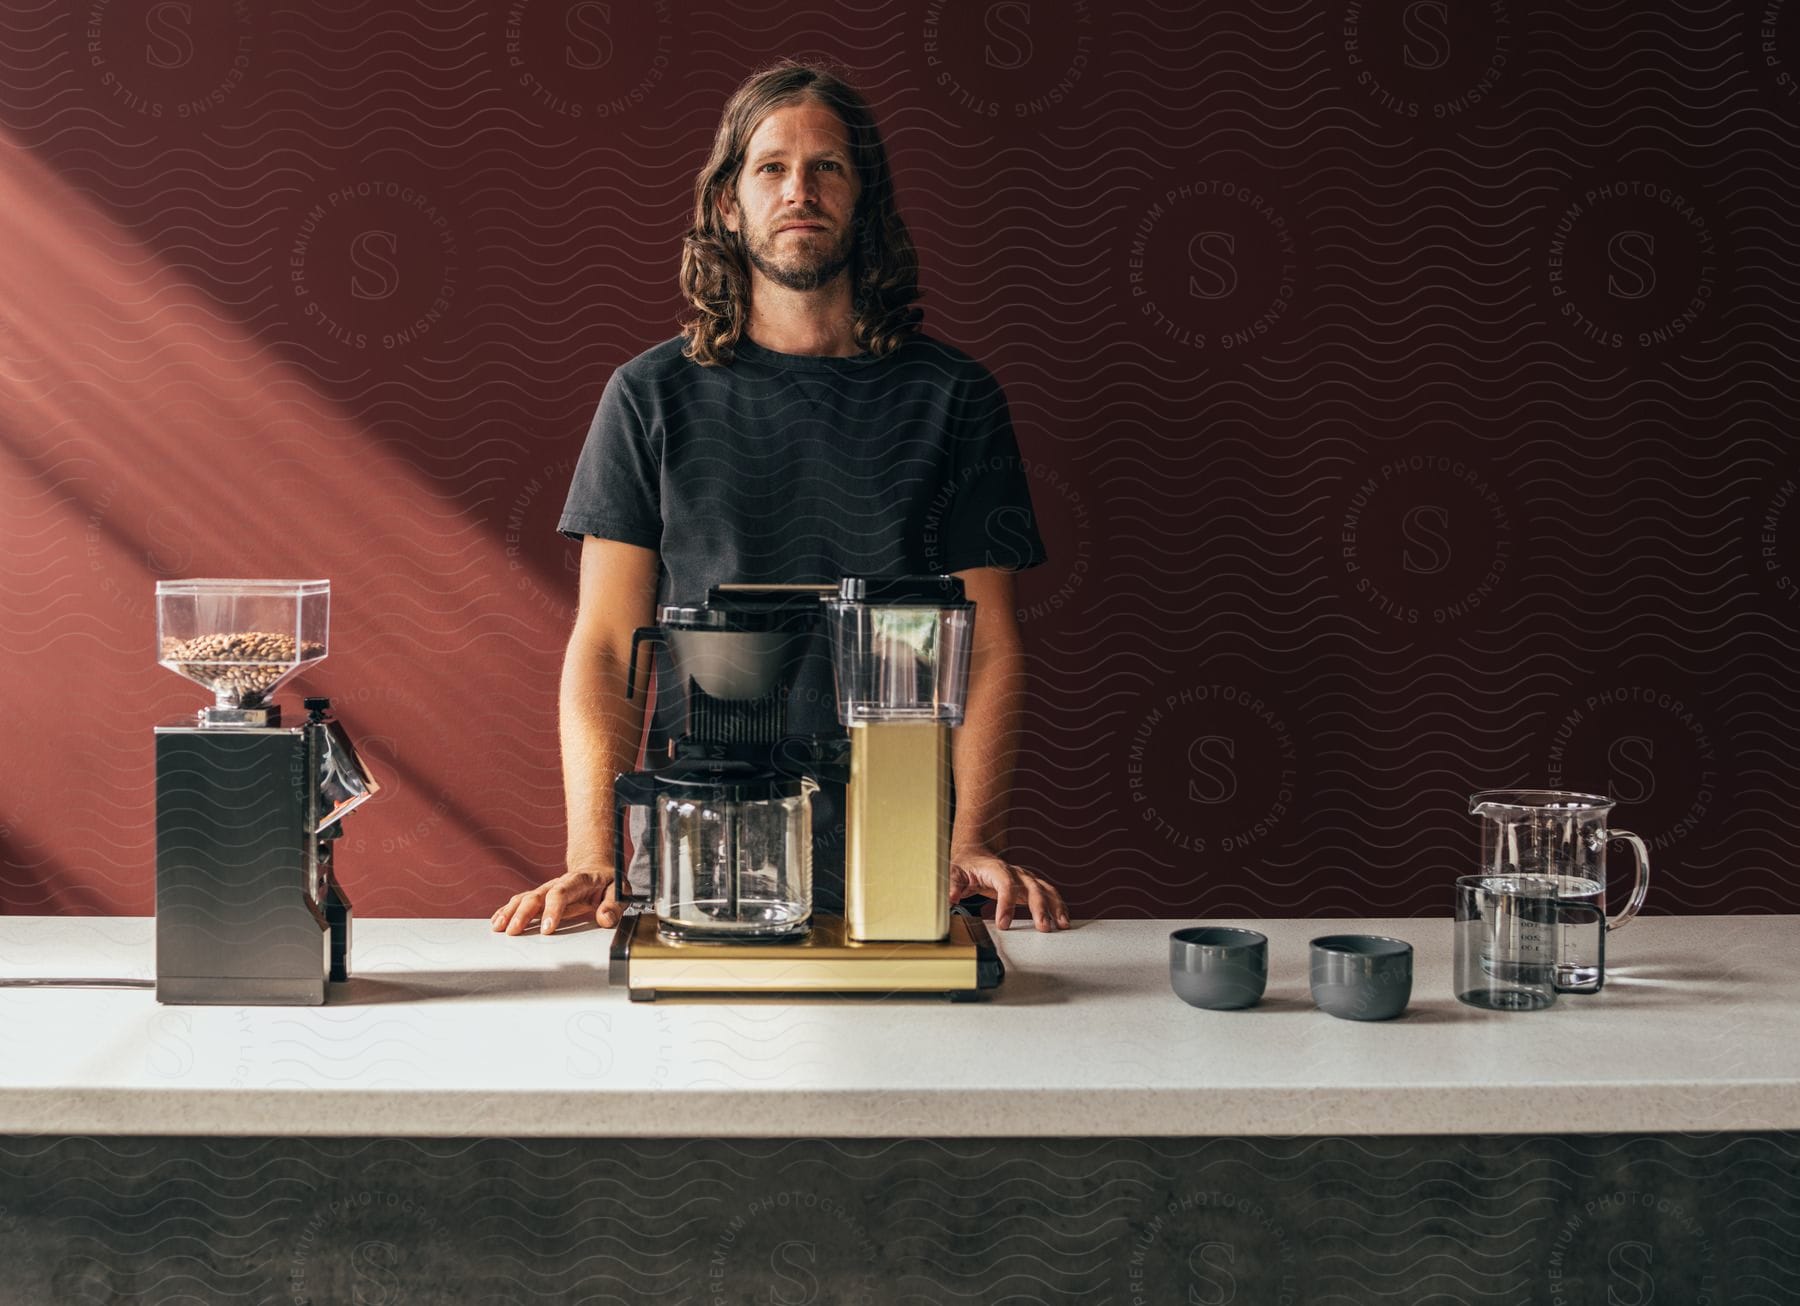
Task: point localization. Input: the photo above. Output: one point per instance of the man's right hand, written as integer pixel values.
(569, 894)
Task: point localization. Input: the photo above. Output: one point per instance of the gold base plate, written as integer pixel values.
(825, 961)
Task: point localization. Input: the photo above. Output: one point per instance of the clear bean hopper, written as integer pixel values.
(240, 639)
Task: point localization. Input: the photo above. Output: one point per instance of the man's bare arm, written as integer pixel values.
(983, 754)
(600, 731)
(986, 744)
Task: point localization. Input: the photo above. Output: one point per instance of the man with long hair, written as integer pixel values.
(801, 428)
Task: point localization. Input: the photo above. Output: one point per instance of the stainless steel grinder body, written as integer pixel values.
(248, 910)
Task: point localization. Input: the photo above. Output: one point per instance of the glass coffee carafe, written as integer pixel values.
(729, 848)
(1559, 839)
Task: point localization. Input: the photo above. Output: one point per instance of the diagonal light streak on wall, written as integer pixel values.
(147, 434)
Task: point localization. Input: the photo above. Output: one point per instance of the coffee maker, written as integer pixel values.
(249, 910)
(728, 843)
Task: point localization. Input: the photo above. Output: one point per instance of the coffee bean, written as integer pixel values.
(243, 665)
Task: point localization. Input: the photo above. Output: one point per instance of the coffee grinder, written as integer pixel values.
(728, 909)
(248, 908)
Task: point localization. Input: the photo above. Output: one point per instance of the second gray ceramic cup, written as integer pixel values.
(1218, 967)
(1362, 976)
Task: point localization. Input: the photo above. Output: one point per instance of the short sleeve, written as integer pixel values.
(616, 492)
(987, 519)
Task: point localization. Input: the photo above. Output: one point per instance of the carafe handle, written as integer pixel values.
(642, 635)
(1640, 882)
(633, 789)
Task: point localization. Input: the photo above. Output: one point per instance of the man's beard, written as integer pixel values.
(809, 269)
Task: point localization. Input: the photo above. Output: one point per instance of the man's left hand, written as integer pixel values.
(979, 871)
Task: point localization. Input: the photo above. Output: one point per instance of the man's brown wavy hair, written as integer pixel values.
(715, 268)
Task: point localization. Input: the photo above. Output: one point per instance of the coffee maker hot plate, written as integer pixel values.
(650, 965)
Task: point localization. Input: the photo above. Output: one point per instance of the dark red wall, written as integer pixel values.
(1409, 388)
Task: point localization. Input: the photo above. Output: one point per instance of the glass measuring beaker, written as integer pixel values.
(1562, 837)
(1504, 953)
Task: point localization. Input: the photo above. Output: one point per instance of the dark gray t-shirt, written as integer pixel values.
(793, 469)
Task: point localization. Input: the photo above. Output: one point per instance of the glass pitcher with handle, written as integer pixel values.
(1563, 837)
(730, 849)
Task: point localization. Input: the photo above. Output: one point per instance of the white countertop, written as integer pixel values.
(448, 1029)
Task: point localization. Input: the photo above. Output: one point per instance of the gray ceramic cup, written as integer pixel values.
(1218, 967)
(1362, 976)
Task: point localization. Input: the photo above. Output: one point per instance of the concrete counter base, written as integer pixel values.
(1513, 1220)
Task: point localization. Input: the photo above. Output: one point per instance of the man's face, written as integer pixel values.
(795, 199)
